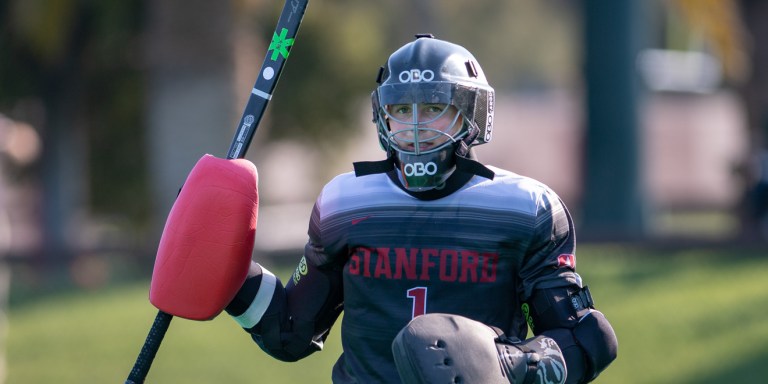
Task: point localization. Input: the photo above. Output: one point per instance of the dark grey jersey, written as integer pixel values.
(478, 252)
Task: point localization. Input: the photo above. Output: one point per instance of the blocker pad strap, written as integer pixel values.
(206, 246)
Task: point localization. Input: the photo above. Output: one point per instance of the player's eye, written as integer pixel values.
(402, 109)
(434, 109)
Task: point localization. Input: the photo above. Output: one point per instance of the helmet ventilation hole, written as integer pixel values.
(471, 68)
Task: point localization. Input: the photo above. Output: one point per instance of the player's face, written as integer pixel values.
(421, 127)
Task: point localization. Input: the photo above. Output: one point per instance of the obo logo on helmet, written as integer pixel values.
(416, 76)
(420, 169)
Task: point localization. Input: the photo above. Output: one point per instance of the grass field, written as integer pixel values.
(690, 316)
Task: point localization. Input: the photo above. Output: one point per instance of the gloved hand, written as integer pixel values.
(444, 348)
(535, 360)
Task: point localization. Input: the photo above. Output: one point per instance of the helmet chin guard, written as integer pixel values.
(427, 171)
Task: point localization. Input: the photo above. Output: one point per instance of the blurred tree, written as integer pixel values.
(114, 109)
(64, 70)
(719, 26)
(331, 68)
(522, 45)
(754, 208)
(615, 205)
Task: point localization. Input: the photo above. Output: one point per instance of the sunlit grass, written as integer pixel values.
(695, 316)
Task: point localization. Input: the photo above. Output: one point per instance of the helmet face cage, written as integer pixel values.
(434, 74)
(421, 134)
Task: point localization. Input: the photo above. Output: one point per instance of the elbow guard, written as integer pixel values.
(584, 335)
(588, 348)
(596, 336)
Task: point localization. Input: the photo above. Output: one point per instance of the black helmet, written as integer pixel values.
(445, 79)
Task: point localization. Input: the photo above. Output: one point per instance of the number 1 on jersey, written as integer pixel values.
(419, 297)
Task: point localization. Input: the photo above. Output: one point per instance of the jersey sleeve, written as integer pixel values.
(550, 259)
(299, 314)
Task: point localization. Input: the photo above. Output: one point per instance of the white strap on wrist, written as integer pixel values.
(260, 303)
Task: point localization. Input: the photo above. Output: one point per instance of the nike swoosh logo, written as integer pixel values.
(357, 221)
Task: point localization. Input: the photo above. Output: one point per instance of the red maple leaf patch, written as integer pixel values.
(567, 260)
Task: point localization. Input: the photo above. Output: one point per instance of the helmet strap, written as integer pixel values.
(363, 168)
(464, 161)
(473, 167)
(462, 149)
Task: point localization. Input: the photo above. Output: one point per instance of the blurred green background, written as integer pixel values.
(647, 117)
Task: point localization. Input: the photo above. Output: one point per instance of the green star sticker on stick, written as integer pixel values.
(280, 45)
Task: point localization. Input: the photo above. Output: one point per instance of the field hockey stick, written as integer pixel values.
(282, 41)
(277, 54)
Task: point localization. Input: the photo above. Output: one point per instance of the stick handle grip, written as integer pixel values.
(149, 350)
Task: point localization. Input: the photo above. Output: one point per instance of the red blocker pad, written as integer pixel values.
(206, 246)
